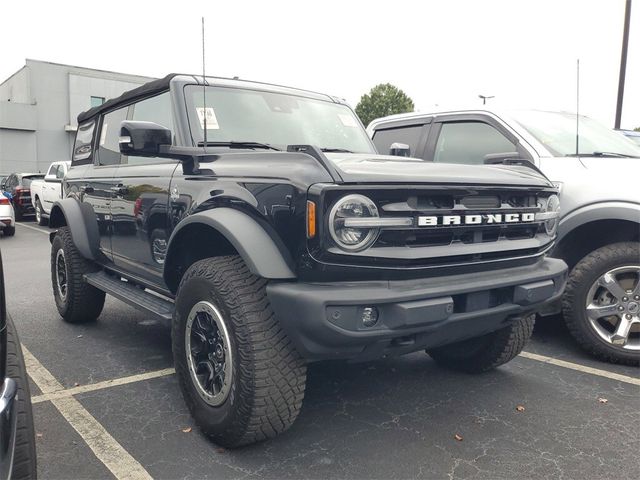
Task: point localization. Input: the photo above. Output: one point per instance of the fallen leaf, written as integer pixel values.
(220, 450)
(458, 437)
(38, 435)
(76, 384)
(520, 408)
(79, 336)
(186, 430)
(603, 400)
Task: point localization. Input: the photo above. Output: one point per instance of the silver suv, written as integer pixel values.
(597, 172)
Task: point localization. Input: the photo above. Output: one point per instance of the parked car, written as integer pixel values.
(18, 186)
(288, 240)
(600, 217)
(632, 135)
(7, 216)
(17, 433)
(45, 191)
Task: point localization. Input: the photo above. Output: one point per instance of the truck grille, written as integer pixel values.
(455, 225)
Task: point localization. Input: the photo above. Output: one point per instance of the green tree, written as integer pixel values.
(637, 129)
(383, 100)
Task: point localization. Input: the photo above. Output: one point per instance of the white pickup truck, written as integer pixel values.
(48, 190)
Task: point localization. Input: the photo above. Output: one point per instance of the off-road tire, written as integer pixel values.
(9, 231)
(40, 219)
(268, 374)
(83, 302)
(24, 460)
(485, 353)
(582, 276)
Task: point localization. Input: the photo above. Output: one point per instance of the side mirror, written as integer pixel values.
(143, 138)
(498, 158)
(400, 150)
(51, 178)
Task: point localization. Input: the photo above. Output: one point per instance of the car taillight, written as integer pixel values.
(137, 206)
(4, 200)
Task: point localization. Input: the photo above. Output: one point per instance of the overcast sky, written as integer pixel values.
(440, 52)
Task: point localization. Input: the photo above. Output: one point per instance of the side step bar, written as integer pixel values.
(134, 296)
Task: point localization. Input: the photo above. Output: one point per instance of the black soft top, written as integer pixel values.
(148, 89)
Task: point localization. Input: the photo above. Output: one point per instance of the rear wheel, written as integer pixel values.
(42, 221)
(17, 209)
(77, 301)
(9, 231)
(240, 375)
(485, 353)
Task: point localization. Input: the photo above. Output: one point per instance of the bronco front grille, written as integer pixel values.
(452, 225)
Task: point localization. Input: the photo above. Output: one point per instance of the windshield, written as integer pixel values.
(275, 119)
(557, 132)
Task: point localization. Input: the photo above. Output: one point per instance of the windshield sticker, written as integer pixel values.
(347, 120)
(103, 133)
(212, 121)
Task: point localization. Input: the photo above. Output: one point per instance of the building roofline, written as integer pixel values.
(13, 75)
(88, 68)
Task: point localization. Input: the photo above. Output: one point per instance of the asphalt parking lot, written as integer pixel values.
(106, 404)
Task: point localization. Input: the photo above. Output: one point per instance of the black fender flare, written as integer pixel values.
(81, 220)
(262, 250)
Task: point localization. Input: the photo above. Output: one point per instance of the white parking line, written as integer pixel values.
(33, 228)
(101, 385)
(581, 368)
(121, 464)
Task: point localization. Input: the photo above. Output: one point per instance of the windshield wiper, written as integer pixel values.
(335, 150)
(233, 144)
(601, 154)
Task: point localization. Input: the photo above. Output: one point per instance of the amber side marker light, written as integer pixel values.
(311, 219)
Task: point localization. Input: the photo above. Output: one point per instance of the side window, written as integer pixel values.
(60, 171)
(109, 147)
(53, 170)
(469, 142)
(410, 135)
(155, 109)
(82, 146)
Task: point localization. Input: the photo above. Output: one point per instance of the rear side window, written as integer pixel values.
(82, 147)
(109, 146)
(469, 143)
(383, 139)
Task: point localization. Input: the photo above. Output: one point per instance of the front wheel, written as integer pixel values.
(240, 375)
(77, 301)
(601, 304)
(485, 353)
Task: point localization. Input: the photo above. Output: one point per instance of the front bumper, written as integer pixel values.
(8, 425)
(324, 320)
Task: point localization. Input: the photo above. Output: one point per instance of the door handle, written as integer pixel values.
(86, 189)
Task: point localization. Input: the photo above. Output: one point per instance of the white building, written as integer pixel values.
(39, 105)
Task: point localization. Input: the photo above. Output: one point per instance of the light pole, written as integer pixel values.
(623, 62)
(485, 98)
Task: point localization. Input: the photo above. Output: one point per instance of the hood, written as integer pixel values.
(368, 168)
(590, 180)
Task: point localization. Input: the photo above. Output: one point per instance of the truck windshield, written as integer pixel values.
(557, 132)
(237, 116)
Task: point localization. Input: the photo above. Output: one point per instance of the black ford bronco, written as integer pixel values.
(260, 222)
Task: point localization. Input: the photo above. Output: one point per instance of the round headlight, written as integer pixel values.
(347, 235)
(552, 206)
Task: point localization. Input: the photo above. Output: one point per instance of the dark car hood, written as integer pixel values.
(368, 168)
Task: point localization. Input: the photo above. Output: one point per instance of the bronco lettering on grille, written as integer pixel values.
(486, 219)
